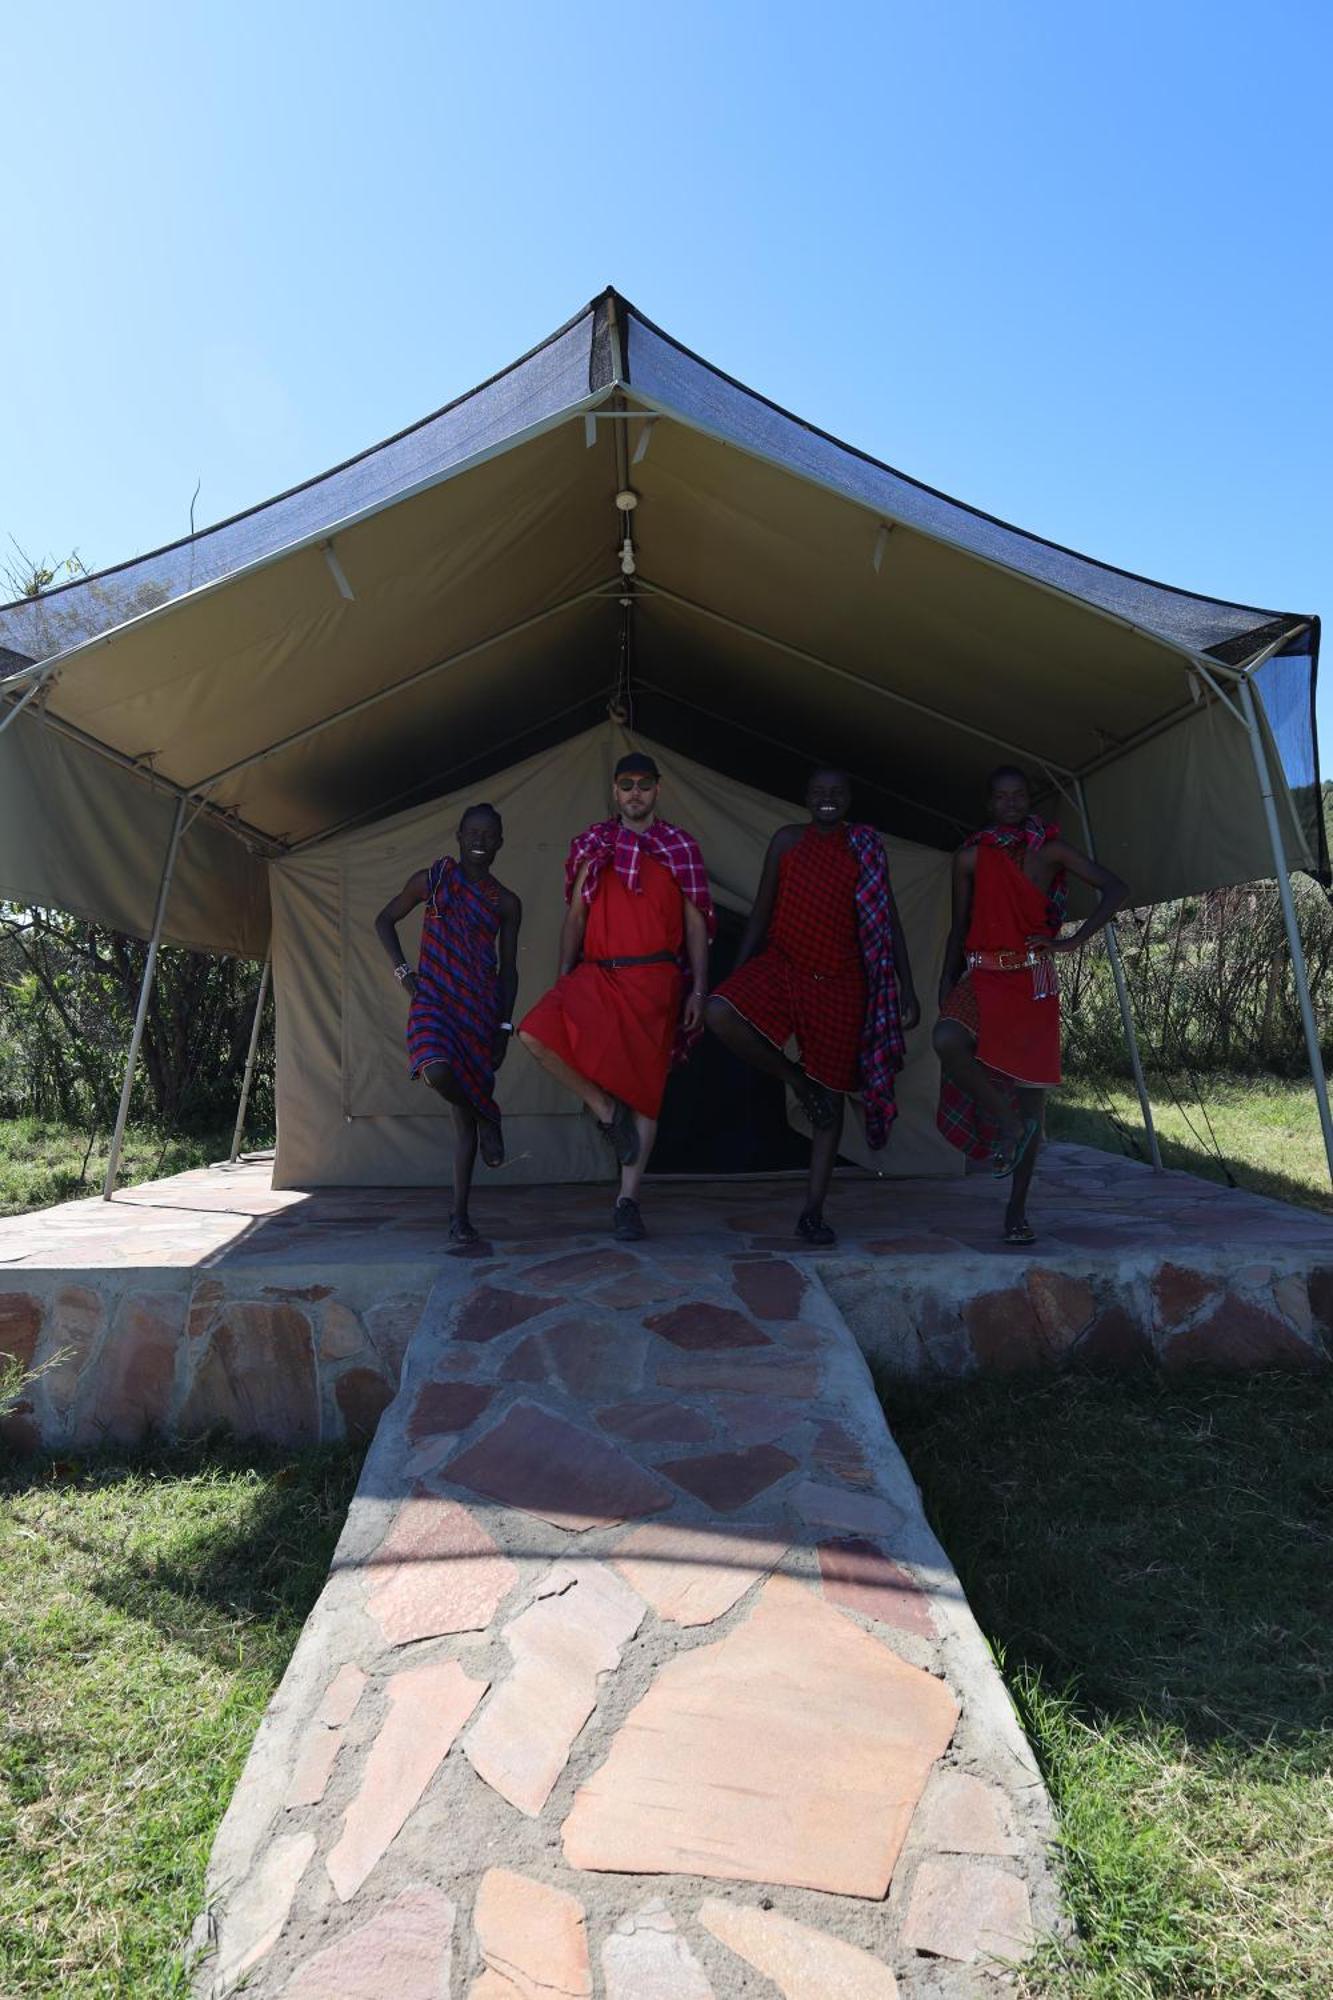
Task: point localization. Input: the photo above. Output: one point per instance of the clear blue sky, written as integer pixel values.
(1070, 263)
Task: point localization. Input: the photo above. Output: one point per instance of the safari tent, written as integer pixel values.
(246, 741)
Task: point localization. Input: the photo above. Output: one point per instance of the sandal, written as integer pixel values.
(620, 1132)
(815, 1102)
(1021, 1233)
(1006, 1163)
(812, 1228)
(461, 1230)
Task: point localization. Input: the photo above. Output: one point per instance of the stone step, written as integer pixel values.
(638, 1673)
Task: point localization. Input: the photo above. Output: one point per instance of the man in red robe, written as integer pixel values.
(633, 973)
(998, 1033)
(823, 962)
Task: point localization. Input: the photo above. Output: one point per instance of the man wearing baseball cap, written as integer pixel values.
(633, 973)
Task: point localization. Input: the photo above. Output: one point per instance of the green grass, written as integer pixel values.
(147, 1610)
(43, 1163)
(1153, 1565)
(1267, 1129)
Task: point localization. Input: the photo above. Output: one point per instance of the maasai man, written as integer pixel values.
(633, 973)
(823, 961)
(458, 1025)
(998, 1034)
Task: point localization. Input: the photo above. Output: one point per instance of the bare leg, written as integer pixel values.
(823, 1154)
(956, 1051)
(735, 1033)
(1031, 1104)
(631, 1178)
(598, 1101)
(443, 1081)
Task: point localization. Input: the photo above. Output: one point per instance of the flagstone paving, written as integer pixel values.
(638, 1675)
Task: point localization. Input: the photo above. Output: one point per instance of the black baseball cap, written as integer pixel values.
(636, 760)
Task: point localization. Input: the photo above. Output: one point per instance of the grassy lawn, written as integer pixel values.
(147, 1610)
(1153, 1565)
(41, 1164)
(1268, 1130)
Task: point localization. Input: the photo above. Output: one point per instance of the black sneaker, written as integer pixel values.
(813, 1229)
(626, 1222)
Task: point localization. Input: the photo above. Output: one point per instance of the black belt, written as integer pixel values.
(649, 958)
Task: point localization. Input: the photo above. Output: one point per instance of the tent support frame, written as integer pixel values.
(1308, 1022)
(145, 990)
(251, 1053)
(1122, 996)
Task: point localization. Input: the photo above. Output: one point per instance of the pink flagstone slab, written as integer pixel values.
(533, 1939)
(759, 1419)
(558, 1471)
(836, 1453)
(588, 1359)
(561, 1646)
(794, 1750)
(725, 1480)
(253, 1916)
(638, 1288)
(656, 1423)
(581, 1267)
(771, 1289)
(966, 1911)
(749, 1373)
(961, 1814)
(492, 1311)
(858, 1576)
(700, 1325)
(427, 1708)
(445, 1408)
(837, 1507)
(138, 1367)
(646, 1958)
(403, 1953)
(691, 1574)
(314, 1766)
(341, 1697)
(437, 1570)
(258, 1376)
(803, 1963)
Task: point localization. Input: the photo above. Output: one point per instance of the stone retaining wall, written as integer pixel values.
(955, 1318)
(118, 1356)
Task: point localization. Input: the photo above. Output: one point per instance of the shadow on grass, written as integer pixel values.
(220, 1577)
(1157, 1549)
(1089, 1125)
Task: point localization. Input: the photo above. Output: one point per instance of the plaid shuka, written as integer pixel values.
(882, 1046)
(611, 840)
(679, 853)
(455, 1010)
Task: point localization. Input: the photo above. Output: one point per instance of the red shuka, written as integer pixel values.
(617, 1028)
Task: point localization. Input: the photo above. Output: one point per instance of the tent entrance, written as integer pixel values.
(720, 1116)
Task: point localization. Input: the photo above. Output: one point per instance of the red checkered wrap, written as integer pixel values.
(959, 1117)
(611, 840)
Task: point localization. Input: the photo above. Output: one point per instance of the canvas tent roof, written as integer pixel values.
(452, 601)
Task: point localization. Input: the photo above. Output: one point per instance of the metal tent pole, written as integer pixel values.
(145, 989)
(243, 1106)
(1122, 995)
(1308, 1022)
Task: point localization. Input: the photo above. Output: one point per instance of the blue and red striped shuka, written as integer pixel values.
(455, 1011)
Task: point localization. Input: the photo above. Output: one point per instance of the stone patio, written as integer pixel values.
(638, 1673)
(211, 1300)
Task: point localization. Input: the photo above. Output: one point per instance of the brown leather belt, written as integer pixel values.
(649, 958)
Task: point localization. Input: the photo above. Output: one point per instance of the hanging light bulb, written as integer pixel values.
(627, 563)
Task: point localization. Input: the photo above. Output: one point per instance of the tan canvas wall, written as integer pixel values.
(78, 833)
(347, 1112)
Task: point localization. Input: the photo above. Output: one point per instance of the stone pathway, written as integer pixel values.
(638, 1674)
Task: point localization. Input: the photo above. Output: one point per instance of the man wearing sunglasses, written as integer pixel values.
(633, 973)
